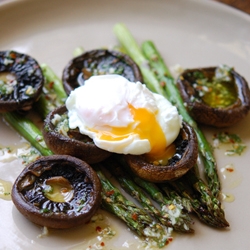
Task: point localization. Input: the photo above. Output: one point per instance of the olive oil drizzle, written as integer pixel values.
(217, 91)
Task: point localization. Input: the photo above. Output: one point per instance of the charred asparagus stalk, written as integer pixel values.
(203, 204)
(167, 81)
(53, 94)
(212, 203)
(179, 221)
(26, 128)
(173, 207)
(135, 218)
(158, 78)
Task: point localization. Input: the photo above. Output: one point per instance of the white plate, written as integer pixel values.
(191, 33)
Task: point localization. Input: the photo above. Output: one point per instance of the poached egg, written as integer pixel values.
(124, 117)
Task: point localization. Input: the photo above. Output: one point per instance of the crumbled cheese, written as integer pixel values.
(30, 90)
(216, 143)
(176, 70)
(45, 232)
(30, 156)
(7, 84)
(174, 212)
(56, 119)
(154, 234)
(61, 124)
(7, 61)
(222, 73)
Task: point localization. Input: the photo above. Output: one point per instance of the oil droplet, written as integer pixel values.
(5, 189)
(231, 178)
(58, 189)
(98, 232)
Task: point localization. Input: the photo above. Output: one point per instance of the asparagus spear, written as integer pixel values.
(53, 92)
(28, 130)
(130, 46)
(175, 207)
(57, 86)
(205, 208)
(163, 216)
(164, 76)
(135, 218)
(159, 80)
(212, 203)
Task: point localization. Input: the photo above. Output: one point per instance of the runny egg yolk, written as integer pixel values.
(147, 127)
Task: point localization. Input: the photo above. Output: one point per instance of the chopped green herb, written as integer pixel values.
(30, 156)
(199, 75)
(217, 91)
(45, 210)
(223, 74)
(81, 203)
(61, 123)
(237, 147)
(225, 137)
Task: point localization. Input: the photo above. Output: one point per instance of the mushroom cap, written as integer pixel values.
(28, 192)
(100, 61)
(215, 116)
(29, 81)
(78, 145)
(183, 160)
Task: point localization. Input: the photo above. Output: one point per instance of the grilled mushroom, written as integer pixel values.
(184, 158)
(62, 140)
(216, 96)
(57, 192)
(21, 81)
(99, 62)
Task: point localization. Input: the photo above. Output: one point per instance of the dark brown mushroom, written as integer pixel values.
(57, 192)
(223, 105)
(185, 158)
(99, 62)
(70, 142)
(21, 81)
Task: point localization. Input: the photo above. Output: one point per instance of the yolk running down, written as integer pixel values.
(147, 127)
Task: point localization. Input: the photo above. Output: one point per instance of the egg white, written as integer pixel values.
(102, 103)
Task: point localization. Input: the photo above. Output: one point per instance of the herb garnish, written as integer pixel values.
(237, 147)
(217, 91)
